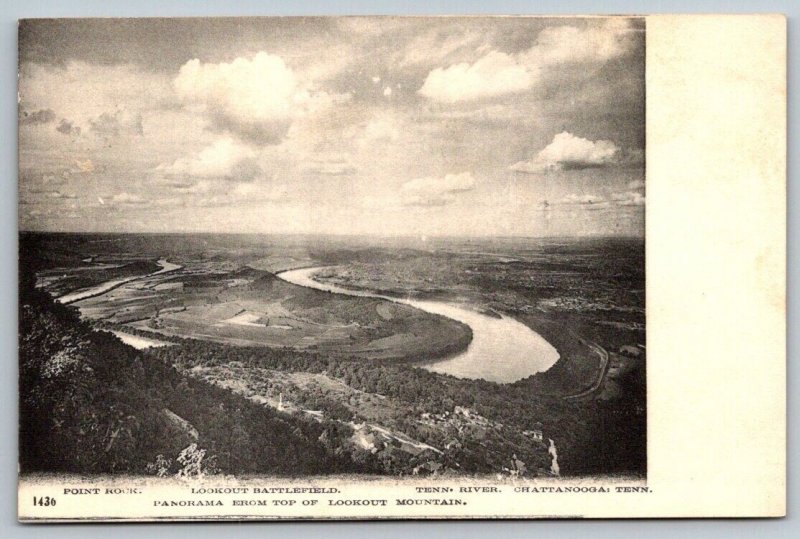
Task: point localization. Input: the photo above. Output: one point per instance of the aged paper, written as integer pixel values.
(397, 267)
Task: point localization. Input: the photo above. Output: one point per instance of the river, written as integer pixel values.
(502, 349)
(110, 285)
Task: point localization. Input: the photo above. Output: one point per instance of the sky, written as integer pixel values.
(400, 126)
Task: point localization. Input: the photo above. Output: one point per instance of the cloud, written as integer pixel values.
(582, 199)
(66, 127)
(60, 195)
(569, 152)
(259, 191)
(128, 199)
(381, 127)
(498, 73)
(255, 99)
(435, 191)
(176, 182)
(81, 92)
(628, 198)
(55, 179)
(117, 124)
(598, 202)
(496, 113)
(378, 202)
(333, 165)
(202, 187)
(585, 202)
(225, 159)
(438, 45)
(387, 92)
(569, 44)
(245, 193)
(40, 117)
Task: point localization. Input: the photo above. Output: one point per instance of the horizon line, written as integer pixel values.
(335, 234)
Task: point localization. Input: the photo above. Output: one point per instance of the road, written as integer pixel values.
(603, 353)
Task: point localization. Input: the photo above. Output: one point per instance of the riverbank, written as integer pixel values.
(502, 349)
(99, 290)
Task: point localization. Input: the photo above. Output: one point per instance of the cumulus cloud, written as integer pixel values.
(381, 127)
(225, 159)
(569, 152)
(436, 191)
(497, 73)
(255, 99)
(569, 44)
(114, 125)
(39, 117)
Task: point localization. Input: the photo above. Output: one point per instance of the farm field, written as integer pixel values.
(345, 346)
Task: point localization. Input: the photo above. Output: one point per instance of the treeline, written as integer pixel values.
(90, 404)
(591, 438)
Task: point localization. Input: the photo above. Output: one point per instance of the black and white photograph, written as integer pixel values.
(396, 251)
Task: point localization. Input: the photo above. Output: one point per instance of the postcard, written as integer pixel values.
(392, 267)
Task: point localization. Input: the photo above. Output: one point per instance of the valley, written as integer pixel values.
(437, 357)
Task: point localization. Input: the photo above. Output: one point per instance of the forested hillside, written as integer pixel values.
(591, 436)
(90, 404)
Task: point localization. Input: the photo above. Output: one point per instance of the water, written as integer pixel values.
(502, 349)
(110, 285)
(140, 343)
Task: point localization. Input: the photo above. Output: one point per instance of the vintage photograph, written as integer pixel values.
(351, 247)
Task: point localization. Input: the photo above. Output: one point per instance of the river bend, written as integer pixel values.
(502, 349)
